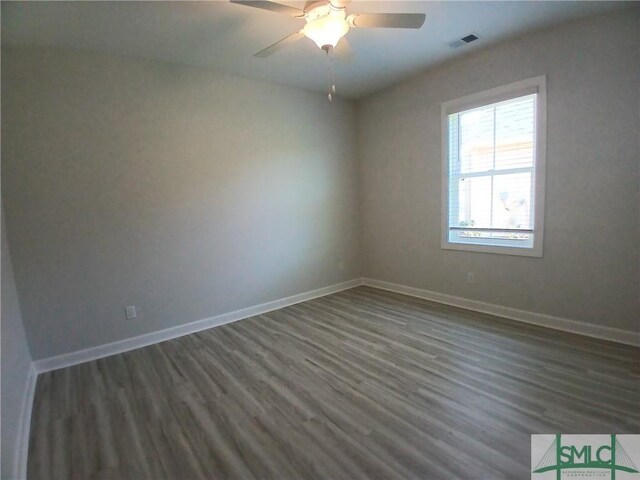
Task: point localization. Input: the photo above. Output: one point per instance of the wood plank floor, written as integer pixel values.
(360, 384)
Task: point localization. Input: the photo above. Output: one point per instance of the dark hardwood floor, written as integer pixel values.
(360, 384)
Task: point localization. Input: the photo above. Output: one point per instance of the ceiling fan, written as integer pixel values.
(328, 22)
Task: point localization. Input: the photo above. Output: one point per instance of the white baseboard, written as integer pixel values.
(120, 346)
(24, 428)
(557, 323)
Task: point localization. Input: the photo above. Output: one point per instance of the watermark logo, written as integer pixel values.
(592, 457)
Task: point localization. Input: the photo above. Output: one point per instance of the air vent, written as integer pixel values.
(469, 38)
(464, 40)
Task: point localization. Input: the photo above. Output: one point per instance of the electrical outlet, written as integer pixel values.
(471, 278)
(130, 312)
(340, 266)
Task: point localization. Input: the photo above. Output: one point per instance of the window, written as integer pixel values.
(493, 170)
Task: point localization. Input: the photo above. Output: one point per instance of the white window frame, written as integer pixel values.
(488, 97)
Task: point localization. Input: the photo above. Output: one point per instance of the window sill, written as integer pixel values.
(520, 252)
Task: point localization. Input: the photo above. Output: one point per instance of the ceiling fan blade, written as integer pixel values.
(271, 6)
(387, 20)
(280, 44)
(343, 51)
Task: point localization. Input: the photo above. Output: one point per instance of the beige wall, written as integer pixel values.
(590, 267)
(189, 193)
(16, 365)
(184, 192)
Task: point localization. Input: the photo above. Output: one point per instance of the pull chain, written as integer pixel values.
(332, 85)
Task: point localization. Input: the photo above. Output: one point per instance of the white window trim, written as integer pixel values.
(531, 85)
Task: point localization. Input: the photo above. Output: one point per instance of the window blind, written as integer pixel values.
(492, 173)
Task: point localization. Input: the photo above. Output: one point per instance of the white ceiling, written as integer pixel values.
(221, 36)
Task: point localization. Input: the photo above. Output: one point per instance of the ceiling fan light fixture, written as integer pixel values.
(327, 30)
